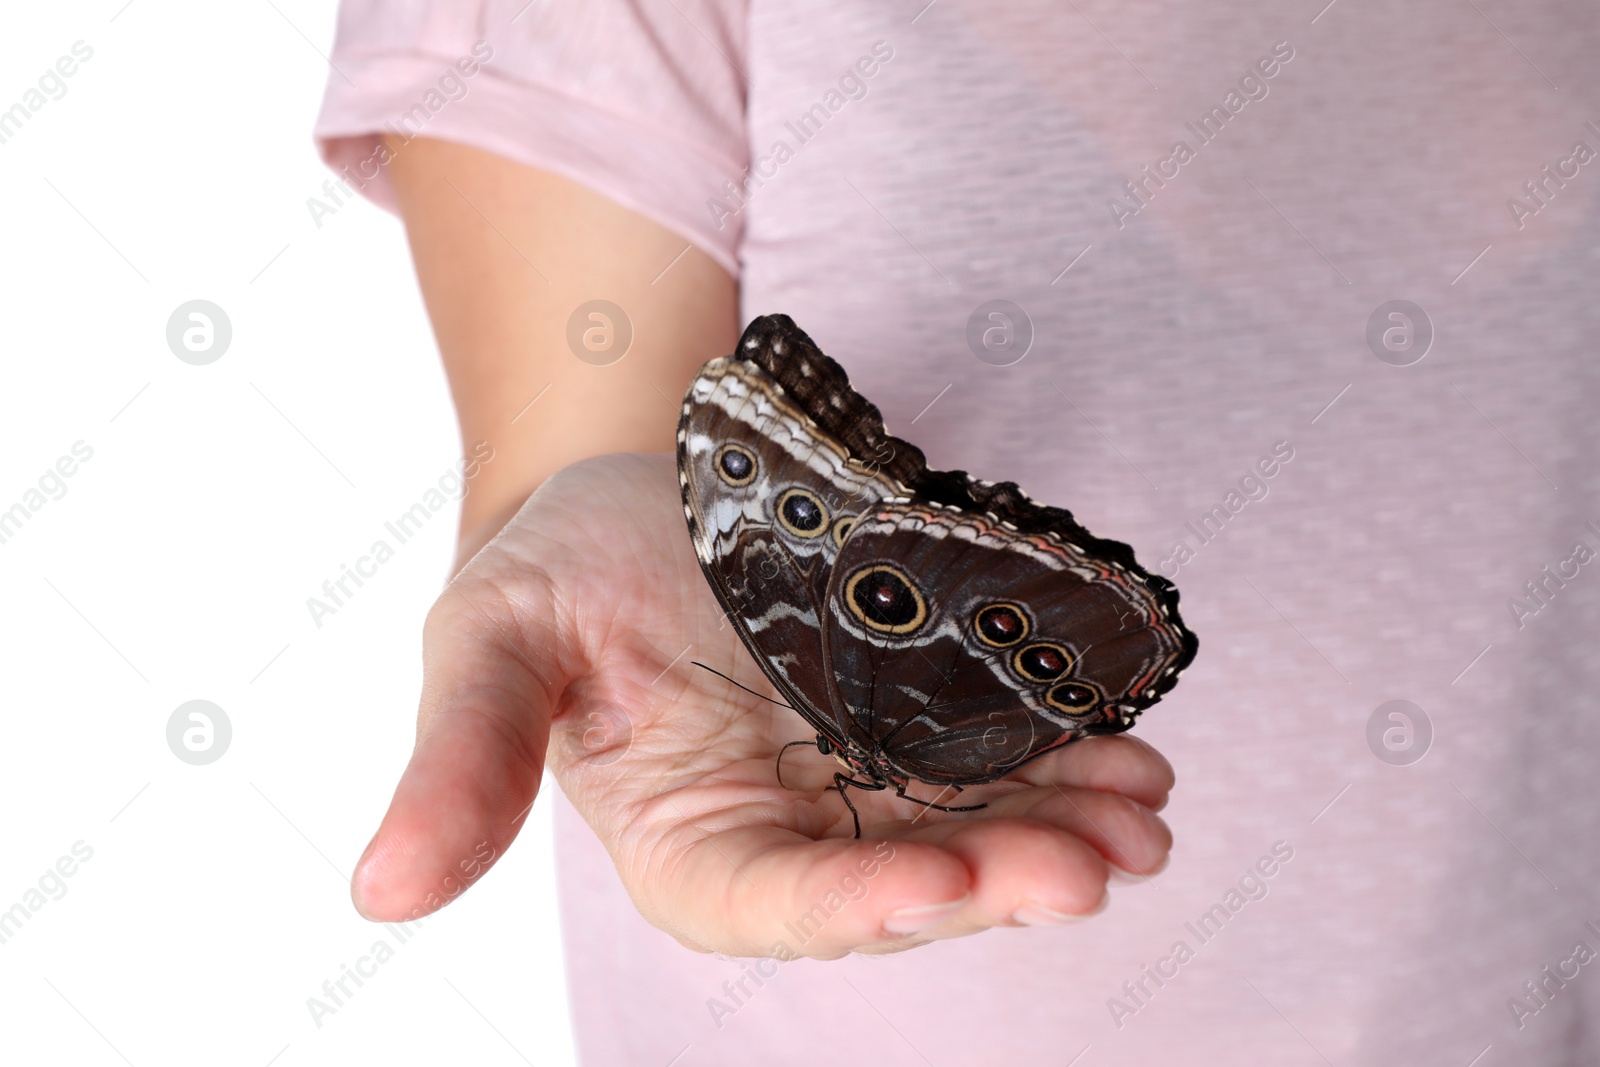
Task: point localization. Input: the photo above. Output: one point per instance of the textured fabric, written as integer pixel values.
(1198, 315)
(631, 97)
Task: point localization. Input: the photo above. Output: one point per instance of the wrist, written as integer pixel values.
(481, 519)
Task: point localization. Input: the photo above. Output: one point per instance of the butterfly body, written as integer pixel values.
(930, 626)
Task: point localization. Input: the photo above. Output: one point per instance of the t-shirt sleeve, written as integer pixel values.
(642, 101)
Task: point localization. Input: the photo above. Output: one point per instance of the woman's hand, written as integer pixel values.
(571, 639)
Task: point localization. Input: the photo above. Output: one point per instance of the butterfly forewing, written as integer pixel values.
(769, 499)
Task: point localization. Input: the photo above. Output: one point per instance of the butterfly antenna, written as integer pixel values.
(747, 689)
(786, 748)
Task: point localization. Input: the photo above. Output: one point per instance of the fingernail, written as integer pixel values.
(367, 851)
(1118, 876)
(360, 904)
(915, 920)
(1037, 915)
(356, 880)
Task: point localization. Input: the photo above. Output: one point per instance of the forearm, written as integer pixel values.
(504, 254)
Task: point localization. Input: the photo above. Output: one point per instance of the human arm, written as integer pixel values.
(589, 595)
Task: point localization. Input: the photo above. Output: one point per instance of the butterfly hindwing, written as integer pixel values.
(967, 648)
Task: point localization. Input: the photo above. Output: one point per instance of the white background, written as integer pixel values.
(178, 563)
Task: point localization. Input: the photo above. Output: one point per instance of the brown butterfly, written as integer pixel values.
(930, 626)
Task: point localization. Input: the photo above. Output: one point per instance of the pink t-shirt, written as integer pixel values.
(1358, 249)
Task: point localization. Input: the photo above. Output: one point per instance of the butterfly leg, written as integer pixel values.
(840, 780)
(900, 791)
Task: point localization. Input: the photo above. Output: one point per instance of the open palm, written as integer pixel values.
(572, 639)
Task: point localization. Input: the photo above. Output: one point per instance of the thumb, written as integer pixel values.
(481, 733)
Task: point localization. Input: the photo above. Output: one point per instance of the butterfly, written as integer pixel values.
(929, 626)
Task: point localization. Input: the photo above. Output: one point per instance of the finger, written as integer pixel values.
(1045, 856)
(481, 734)
(1025, 872)
(1125, 833)
(773, 893)
(1120, 764)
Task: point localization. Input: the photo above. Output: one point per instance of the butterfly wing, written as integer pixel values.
(817, 494)
(965, 646)
(769, 496)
